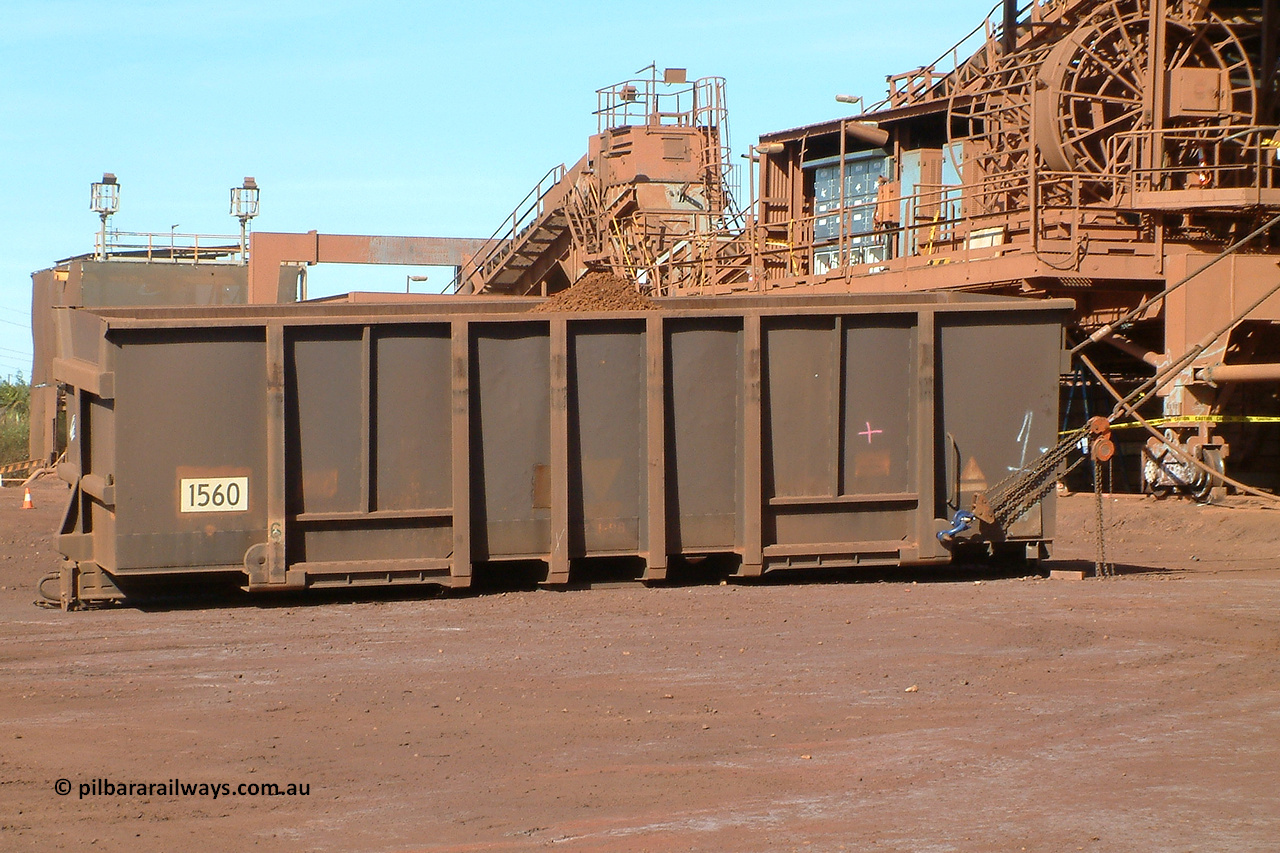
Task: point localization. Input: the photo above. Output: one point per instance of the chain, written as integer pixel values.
(1022, 489)
(1101, 568)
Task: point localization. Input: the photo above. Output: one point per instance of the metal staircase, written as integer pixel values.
(651, 201)
(536, 236)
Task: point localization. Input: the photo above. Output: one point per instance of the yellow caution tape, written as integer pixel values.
(1192, 420)
(1196, 420)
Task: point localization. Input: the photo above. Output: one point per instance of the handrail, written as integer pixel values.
(504, 237)
(699, 103)
(937, 230)
(1253, 156)
(167, 246)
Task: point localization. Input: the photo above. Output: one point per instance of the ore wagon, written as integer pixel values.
(360, 444)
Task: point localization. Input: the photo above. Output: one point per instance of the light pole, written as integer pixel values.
(244, 206)
(412, 278)
(104, 200)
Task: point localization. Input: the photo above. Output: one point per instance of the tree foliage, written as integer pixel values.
(15, 414)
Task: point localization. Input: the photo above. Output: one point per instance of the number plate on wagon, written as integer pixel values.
(214, 494)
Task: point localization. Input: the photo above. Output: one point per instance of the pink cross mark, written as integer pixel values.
(868, 432)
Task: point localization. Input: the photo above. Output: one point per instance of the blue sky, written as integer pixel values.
(377, 118)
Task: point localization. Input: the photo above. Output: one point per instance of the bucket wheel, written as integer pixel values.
(1092, 99)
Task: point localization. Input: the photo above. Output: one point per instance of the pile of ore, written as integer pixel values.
(598, 291)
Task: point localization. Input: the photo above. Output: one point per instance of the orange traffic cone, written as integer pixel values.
(26, 500)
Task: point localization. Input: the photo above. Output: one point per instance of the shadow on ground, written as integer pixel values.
(595, 573)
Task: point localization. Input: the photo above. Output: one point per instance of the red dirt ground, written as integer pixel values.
(983, 713)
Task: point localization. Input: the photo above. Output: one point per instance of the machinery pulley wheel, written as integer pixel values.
(1102, 449)
(1204, 490)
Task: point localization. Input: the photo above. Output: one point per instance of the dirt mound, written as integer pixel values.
(598, 291)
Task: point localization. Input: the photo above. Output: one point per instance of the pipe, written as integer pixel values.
(1216, 373)
(868, 132)
(1151, 357)
(1009, 31)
